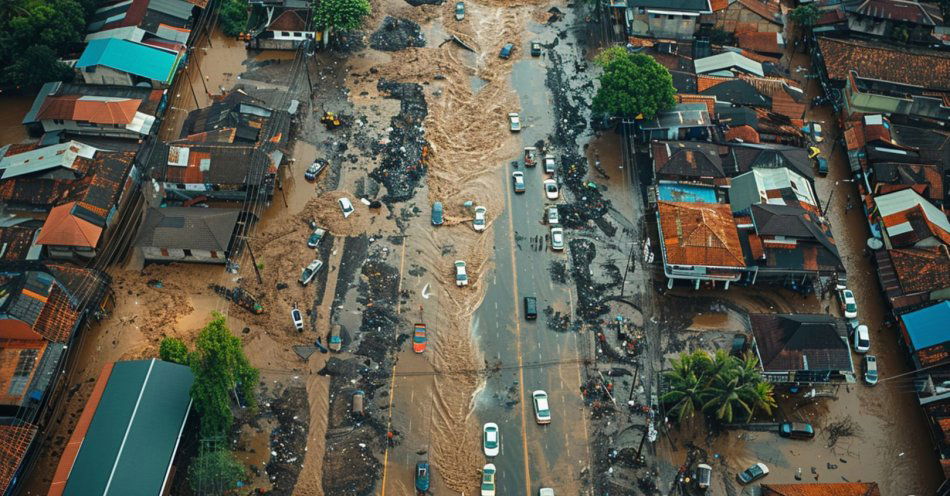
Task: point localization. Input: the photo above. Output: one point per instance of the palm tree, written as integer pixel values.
(760, 395)
(686, 382)
(723, 398)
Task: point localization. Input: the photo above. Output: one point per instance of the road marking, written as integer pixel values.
(514, 275)
(392, 382)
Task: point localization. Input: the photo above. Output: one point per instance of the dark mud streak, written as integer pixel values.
(402, 167)
(397, 34)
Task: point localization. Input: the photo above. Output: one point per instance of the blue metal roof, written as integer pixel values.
(128, 56)
(928, 326)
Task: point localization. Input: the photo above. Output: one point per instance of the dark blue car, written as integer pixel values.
(437, 214)
(422, 476)
(506, 50)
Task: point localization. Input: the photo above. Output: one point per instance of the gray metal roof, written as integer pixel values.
(174, 8)
(190, 228)
(677, 5)
(728, 60)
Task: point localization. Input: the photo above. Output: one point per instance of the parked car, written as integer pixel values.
(753, 473)
(796, 430)
(703, 476)
(506, 50)
(461, 276)
(813, 129)
(517, 177)
(514, 122)
(315, 237)
(739, 343)
(346, 207)
(545, 491)
(862, 339)
(535, 48)
(848, 304)
(437, 218)
(490, 439)
(870, 369)
(542, 412)
(549, 165)
(419, 338)
(334, 341)
(356, 408)
(479, 222)
(297, 318)
(553, 218)
(488, 480)
(821, 163)
(557, 238)
(309, 271)
(422, 474)
(459, 11)
(530, 307)
(318, 166)
(550, 189)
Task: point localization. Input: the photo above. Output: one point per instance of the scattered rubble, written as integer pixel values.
(403, 164)
(397, 34)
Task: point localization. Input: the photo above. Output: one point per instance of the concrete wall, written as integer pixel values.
(179, 255)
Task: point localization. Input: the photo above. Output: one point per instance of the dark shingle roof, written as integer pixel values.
(188, 228)
(694, 5)
(738, 92)
(746, 156)
(801, 342)
(687, 159)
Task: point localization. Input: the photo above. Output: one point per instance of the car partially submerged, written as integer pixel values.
(309, 271)
(318, 166)
(314, 239)
(461, 275)
(479, 222)
(335, 341)
(514, 122)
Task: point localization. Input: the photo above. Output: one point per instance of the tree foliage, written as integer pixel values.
(632, 84)
(173, 350)
(215, 472)
(220, 368)
(723, 387)
(805, 15)
(340, 15)
(233, 17)
(33, 34)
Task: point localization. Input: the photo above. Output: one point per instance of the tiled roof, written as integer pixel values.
(15, 440)
(15, 242)
(784, 104)
(801, 342)
(98, 110)
(687, 159)
(895, 10)
(62, 228)
(718, 5)
(909, 218)
(822, 489)
(929, 69)
(921, 269)
(925, 179)
(289, 20)
(703, 83)
(738, 91)
(709, 101)
(760, 42)
(210, 163)
(794, 221)
(699, 234)
(767, 10)
(188, 228)
(746, 133)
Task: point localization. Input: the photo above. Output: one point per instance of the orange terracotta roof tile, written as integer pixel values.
(15, 440)
(746, 27)
(62, 228)
(703, 83)
(99, 111)
(854, 135)
(747, 134)
(763, 42)
(700, 234)
(708, 100)
(766, 10)
(784, 104)
(640, 42)
(822, 489)
(718, 5)
(758, 57)
(928, 69)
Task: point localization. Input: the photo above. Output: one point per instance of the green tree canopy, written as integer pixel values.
(215, 472)
(805, 15)
(173, 350)
(632, 84)
(33, 34)
(340, 15)
(233, 17)
(220, 368)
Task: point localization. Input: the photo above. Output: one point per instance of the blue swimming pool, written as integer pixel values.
(687, 193)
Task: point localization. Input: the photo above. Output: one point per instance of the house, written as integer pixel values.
(903, 21)
(41, 311)
(217, 171)
(94, 110)
(925, 69)
(767, 42)
(750, 16)
(18, 242)
(727, 64)
(147, 21)
(742, 134)
(822, 489)
(925, 179)
(188, 234)
(778, 186)
(699, 243)
(236, 118)
(913, 277)
(63, 161)
(686, 160)
(285, 32)
(685, 121)
(126, 63)
(909, 220)
(864, 95)
(665, 18)
(801, 348)
(127, 437)
(743, 157)
(737, 92)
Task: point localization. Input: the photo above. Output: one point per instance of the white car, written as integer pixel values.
(545, 491)
(488, 480)
(490, 439)
(542, 412)
(862, 339)
(461, 276)
(297, 318)
(479, 223)
(346, 207)
(557, 238)
(514, 122)
(549, 165)
(309, 271)
(849, 304)
(553, 218)
(550, 189)
(517, 178)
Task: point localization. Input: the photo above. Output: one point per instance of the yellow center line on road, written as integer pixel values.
(392, 381)
(514, 275)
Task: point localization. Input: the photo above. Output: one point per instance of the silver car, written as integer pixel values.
(557, 238)
(514, 122)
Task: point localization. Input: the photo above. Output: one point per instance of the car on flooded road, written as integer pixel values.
(796, 430)
(309, 271)
(459, 11)
(480, 222)
(318, 166)
(437, 217)
(346, 207)
(315, 237)
(514, 122)
(530, 308)
(549, 164)
(870, 370)
(419, 338)
(461, 275)
(334, 341)
(506, 50)
(550, 189)
(552, 216)
(557, 238)
(490, 439)
(517, 178)
(297, 318)
(488, 480)
(753, 473)
(542, 411)
(862, 339)
(535, 48)
(422, 476)
(848, 304)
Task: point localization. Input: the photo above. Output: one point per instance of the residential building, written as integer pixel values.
(737, 92)
(188, 234)
(699, 243)
(685, 121)
(770, 186)
(873, 96)
(728, 64)
(908, 220)
(95, 110)
(766, 42)
(801, 348)
(236, 118)
(687, 161)
(286, 31)
(913, 277)
(903, 21)
(749, 16)
(148, 21)
(665, 18)
(127, 436)
(836, 59)
(121, 62)
(216, 171)
(743, 157)
(822, 489)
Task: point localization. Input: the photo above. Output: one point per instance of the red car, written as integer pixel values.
(419, 338)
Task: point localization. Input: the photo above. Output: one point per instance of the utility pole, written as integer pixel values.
(257, 271)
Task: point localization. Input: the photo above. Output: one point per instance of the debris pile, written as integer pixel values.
(589, 293)
(288, 441)
(397, 34)
(404, 152)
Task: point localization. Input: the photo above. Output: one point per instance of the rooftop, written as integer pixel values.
(822, 489)
(895, 10)
(699, 234)
(746, 156)
(746, 133)
(921, 269)
(928, 326)
(739, 92)
(127, 56)
(687, 159)
(15, 440)
(926, 68)
(45, 160)
(909, 218)
(210, 163)
(88, 93)
(289, 20)
(801, 342)
(780, 186)
(765, 42)
(62, 228)
(672, 5)
(728, 61)
(188, 228)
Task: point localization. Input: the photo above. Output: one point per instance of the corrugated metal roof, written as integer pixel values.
(41, 159)
(907, 199)
(174, 8)
(132, 438)
(133, 58)
(131, 33)
(728, 60)
(928, 327)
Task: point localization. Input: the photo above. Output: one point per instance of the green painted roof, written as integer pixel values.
(132, 439)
